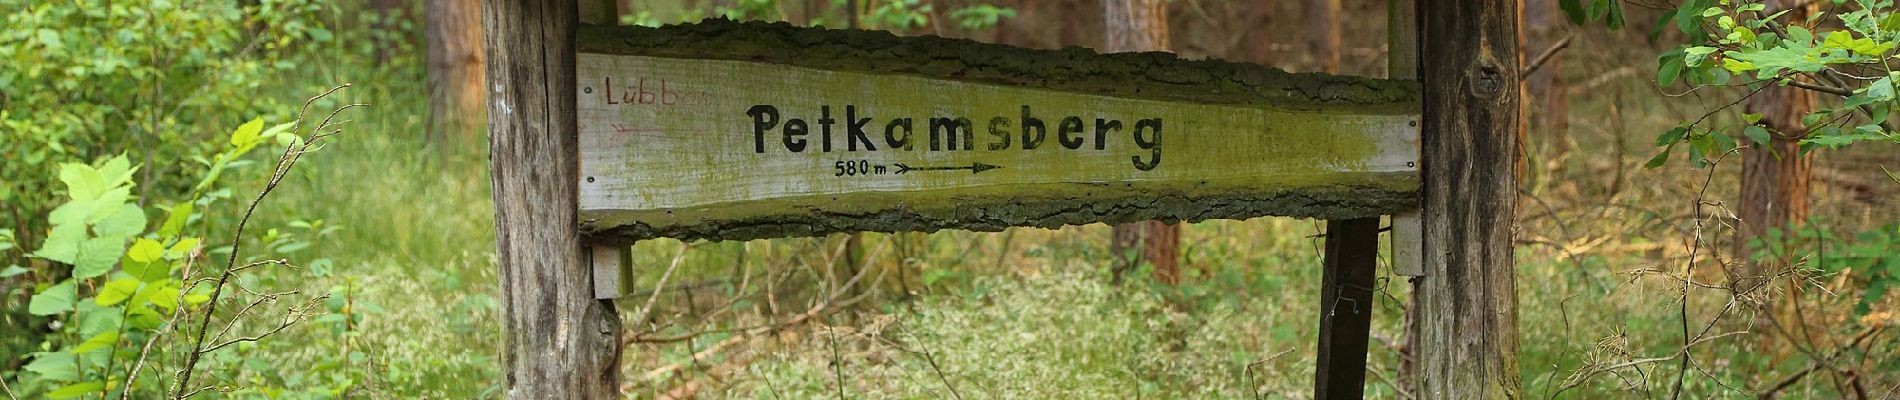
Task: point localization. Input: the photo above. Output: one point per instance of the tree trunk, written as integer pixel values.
(1775, 188)
(1545, 108)
(560, 343)
(1142, 25)
(1322, 18)
(1467, 298)
(455, 67)
(1775, 178)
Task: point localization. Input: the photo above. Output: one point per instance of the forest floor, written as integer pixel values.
(1603, 244)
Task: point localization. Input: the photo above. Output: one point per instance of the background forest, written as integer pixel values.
(290, 199)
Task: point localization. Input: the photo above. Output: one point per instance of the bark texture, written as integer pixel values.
(1775, 178)
(1776, 183)
(1467, 299)
(561, 343)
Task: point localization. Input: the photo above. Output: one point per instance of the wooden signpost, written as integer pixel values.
(741, 131)
(603, 136)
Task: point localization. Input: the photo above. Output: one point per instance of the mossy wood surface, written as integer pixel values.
(726, 130)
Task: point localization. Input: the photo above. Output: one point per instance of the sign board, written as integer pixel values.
(745, 146)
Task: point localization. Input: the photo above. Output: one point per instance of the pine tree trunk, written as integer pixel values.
(1142, 25)
(1775, 188)
(455, 67)
(1322, 17)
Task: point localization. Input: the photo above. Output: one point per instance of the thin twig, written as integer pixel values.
(1547, 55)
(285, 161)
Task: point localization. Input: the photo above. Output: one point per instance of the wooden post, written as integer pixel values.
(561, 343)
(1408, 248)
(1467, 299)
(1345, 319)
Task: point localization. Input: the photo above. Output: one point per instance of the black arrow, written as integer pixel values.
(975, 168)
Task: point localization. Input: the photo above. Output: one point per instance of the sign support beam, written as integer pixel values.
(1345, 319)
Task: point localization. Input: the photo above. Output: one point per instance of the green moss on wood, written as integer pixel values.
(1151, 75)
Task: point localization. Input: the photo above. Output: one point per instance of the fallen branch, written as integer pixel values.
(691, 388)
(1581, 377)
(1547, 55)
(701, 355)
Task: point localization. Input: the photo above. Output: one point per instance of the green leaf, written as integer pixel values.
(97, 255)
(1689, 16)
(1801, 36)
(280, 131)
(125, 222)
(1615, 20)
(13, 271)
(100, 341)
(82, 181)
(1693, 56)
(1574, 10)
(117, 291)
(54, 300)
(1672, 136)
(182, 248)
(73, 212)
(147, 271)
(117, 170)
(165, 297)
(247, 134)
(62, 245)
(1659, 159)
(176, 220)
(1669, 67)
(1757, 134)
(108, 203)
(1724, 143)
(76, 390)
(145, 250)
(1656, 30)
(54, 366)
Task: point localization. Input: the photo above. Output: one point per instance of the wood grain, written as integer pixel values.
(1467, 299)
(561, 343)
(671, 149)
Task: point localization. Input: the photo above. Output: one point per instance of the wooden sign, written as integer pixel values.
(697, 132)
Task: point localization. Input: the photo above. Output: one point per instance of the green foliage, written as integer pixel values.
(1608, 11)
(1871, 255)
(88, 78)
(1843, 52)
(982, 16)
(127, 284)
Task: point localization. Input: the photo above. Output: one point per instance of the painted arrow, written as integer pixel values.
(975, 168)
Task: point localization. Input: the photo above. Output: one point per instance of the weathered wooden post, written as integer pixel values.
(561, 343)
(1468, 298)
(1345, 309)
